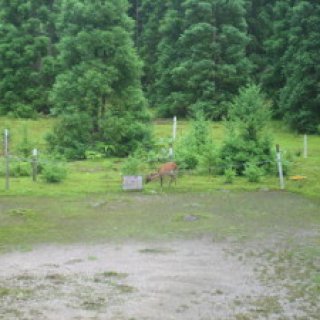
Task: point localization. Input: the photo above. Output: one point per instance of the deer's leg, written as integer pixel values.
(173, 178)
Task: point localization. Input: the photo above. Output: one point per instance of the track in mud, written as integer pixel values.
(190, 280)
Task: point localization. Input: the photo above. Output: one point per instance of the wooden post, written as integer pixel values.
(174, 130)
(6, 154)
(280, 170)
(305, 146)
(34, 164)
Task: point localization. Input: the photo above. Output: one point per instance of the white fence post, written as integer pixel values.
(280, 169)
(6, 154)
(174, 130)
(305, 146)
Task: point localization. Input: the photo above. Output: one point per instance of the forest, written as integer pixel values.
(106, 67)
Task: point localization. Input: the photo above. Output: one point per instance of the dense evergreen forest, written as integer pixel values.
(101, 64)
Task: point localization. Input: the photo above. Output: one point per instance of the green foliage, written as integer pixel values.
(196, 144)
(201, 57)
(247, 140)
(131, 166)
(124, 134)
(54, 171)
(93, 155)
(299, 98)
(100, 81)
(229, 175)
(16, 169)
(27, 39)
(25, 146)
(209, 158)
(253, 172)
(71, 136)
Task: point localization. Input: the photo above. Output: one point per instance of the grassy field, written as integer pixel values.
(105, 175)
(274, 232)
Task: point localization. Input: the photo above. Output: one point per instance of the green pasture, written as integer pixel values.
(104, 176)
(90, 206)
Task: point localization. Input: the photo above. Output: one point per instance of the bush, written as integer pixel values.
(196, 144)
(20, 169)
(131, 166)
(209, 158)
(93, 155)
(253, 173)
(229, 175)
(247, 140)
(54, 172)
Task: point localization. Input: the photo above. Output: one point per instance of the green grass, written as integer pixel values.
(134, 216)
(37, 211)
(105, 175)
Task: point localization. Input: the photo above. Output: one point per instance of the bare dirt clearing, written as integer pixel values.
(192, 279)
(237, 256)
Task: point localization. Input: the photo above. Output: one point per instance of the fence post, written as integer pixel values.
(174, 130)
(280, 170)
(6, 154)
(34, 164)
(305, 146)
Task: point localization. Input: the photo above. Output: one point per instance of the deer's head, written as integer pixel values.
(151, 177)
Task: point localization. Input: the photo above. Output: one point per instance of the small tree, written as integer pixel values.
(197, 146)
(246, 139)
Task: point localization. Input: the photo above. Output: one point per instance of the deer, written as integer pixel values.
(167, 169)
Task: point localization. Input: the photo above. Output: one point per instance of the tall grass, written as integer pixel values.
(102, 176)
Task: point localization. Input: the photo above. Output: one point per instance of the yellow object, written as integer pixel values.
(297, 178)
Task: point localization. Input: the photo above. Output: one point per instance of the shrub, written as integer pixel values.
(131, 166)
(209, 158)
(93, 155)
(253, 172)
(20, 169)
(54, 172)
(246, 140)
(229, 175)
(71, 136)
(196, 144)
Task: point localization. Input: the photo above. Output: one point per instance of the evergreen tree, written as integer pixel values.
(27, 50)
(246, 140)
(150, 15)
(273, 79)
(300, 96)
(202, 66)
(260, 18)
(101, 77)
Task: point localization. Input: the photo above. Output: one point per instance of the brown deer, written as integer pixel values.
(167, 169)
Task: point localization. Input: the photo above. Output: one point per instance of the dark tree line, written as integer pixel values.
(100, 63)
(197, 53)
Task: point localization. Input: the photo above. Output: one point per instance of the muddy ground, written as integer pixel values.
(201, 257)
(192, 279)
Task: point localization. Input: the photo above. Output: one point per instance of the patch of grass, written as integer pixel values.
(105, 175)
(156, 251)
(136, 216)
(4, 292)
(94, 303)
(107, 276)
(92, 258)
(18, 293)
(267, 305)
(124, 289)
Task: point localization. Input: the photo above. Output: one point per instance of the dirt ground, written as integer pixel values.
(210, 256)
(195, 279)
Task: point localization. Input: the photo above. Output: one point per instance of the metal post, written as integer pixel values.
(34, 164)
(174, 130)
(305, 149)
(6, 154)
(279, 162)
